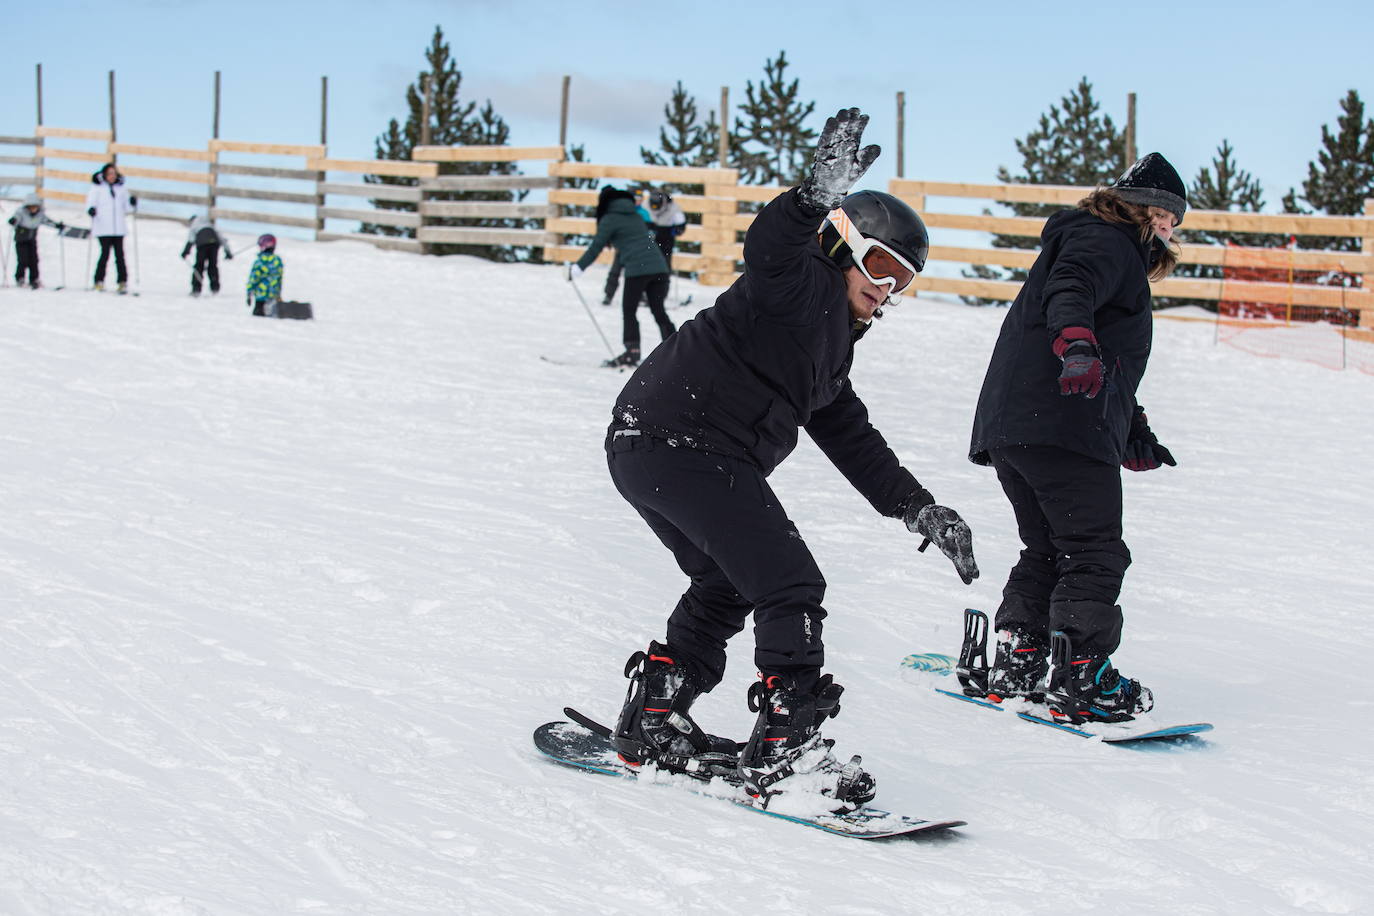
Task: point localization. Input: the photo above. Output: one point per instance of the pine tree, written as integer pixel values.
(771, 144)
(452, 122)
(679, 139)
(1222, 185)
(1343, 174)
(1072, 144)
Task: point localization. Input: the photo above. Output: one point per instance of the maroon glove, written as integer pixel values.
(1082, 372)
(1143, 451)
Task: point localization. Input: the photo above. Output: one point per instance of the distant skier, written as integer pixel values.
(265, 278)
(1057, 419)
(108, 204)
(668, 222)
(206, 240)
(26, 221)
(703, 422)
(646, 273)
(608, 194)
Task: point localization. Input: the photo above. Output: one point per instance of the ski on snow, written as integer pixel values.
(586, 745)
(974, 654)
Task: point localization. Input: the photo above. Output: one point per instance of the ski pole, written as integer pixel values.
(133, 218)
(62, 254)
(609, 348)
(88, 259)
(5, 261)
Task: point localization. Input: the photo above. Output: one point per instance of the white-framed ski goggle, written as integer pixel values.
(878, 262)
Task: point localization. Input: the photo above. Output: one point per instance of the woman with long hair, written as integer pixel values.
(1057, 419)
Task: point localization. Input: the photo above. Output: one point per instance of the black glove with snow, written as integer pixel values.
(1143, 451)
(950, 533)
(838, 163)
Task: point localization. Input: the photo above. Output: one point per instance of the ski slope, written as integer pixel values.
(281, 603)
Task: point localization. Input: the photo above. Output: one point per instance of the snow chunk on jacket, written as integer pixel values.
(771, 357)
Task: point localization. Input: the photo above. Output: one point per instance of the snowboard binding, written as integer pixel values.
(972, 669)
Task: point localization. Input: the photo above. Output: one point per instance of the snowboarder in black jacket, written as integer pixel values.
(1057, 419)
(700, 426)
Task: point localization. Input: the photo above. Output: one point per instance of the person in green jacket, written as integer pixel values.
(646, 272)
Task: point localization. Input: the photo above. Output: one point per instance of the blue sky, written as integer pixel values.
(976, 75)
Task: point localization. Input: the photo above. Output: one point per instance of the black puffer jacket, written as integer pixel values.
(772, 356)
(1091, 273)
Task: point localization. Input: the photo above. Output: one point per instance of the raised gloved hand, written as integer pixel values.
(133, 201)
(574, 272)
(950, 533)
(61, 226)
(90, 211)
(1082, 371)
(1143, 451)
(838, 163)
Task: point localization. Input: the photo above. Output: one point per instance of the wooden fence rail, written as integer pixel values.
(724, 206)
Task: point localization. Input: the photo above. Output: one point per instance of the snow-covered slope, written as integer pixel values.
(281, 603)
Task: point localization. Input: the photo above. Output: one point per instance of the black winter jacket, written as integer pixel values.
(771, 356)
(623, 228)
(1091, 273)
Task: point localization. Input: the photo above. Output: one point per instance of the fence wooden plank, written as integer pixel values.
(488, 183)
(485, 153)
(276, 219)
(19, 141)
(1006, 225)
(479, 236)
(373, 191)
(1067, 195)
(53, 152)
(133, 171)
(289, 197)
(20, 160)
(259, 171)
(1276, 258)
(270, 149)
(73, 133)
(1278, 223)
(1275, 293)
(64, 175)
(571, 225)
(375, 167)
(172, 197)
(163, 152)
(481, 209)
(674, 174)
(28, 181)
(50, 194)
(690, 203)
(381, 217)
(377, 241)
(991, 257)
(760, 194)
(985, 289)
(683, 261)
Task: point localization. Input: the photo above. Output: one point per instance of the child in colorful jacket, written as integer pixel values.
(264, 280)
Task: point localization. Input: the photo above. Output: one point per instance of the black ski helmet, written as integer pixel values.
(884, 218)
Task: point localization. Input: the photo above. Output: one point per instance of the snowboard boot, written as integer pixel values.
(99, 287)
(786, 753)
(123, 288)
(627, 359)
(1086, 688)
(654, 725)
(1018, 670)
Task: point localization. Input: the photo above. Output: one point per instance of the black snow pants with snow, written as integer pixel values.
(1068, 514)
(743, 555)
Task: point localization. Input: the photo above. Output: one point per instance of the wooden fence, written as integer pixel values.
(221, 167)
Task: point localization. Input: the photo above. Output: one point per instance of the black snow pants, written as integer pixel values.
(110, 243)
(656, 286)
(26, 254)
(1068, 514)
(207, 265)
(666, 237)
(743, 555)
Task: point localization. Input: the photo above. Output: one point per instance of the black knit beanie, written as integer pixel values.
(1152, 182)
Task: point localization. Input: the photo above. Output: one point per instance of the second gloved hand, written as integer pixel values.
(950, 533)
(1082, 366)
(1143, 451)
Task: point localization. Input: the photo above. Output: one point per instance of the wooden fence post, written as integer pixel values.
(320, 177)
(1367, 249)
(1130, 130)
(214, 158)
(717, 226)
(723, 144)
(38, 141)
(114, 136)
(901, 134)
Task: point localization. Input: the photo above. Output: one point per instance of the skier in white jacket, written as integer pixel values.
(108, 203)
